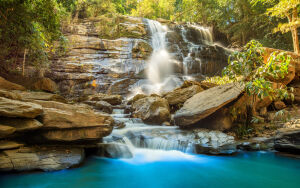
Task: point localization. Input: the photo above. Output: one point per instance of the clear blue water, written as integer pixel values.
(169, 169)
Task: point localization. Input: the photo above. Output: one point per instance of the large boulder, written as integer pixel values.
(14, 108)
(66, 122)
(154, 110)
(220, 120)
(205, 103)
(4, 84)
(288, 140)
(40, 158)
(45, 84)
(78, 117)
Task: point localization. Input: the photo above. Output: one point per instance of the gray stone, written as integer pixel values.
(205, 103)
(40, 158)
(288, 140)
(154, 110)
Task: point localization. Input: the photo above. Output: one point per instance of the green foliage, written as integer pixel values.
(219, 80)
(256, 74)
(28, 24)
(241, 131)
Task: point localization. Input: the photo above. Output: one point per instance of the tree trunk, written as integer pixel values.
(24, 60)
(295, 40)
(295, 32)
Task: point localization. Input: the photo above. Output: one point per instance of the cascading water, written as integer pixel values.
(185, 52)
(137, 137)
(205, 38)
(160, 75)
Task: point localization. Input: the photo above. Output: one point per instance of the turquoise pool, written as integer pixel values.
(164, 169)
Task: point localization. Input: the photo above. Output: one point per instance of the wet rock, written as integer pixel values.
(215, 143)
(288, 140)
(119, 124)
(45, 84)
(21, 124)
(14, 108)
(114, 150)
(4, 84)
(111, 99)
(154, 110)
(5, 145)
(257, 144)
(136, 98)
(102, 106)
(40, 158)
(205, 103)
(180, 95)
(120, 87)
(6, 131)
(141, 49)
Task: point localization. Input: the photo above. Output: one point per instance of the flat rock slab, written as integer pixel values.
(10, 95)
(21, 124)
(40, 158)
(43, 96)
(80, 134)
(205, 103)
(14, 108)
(5, 145)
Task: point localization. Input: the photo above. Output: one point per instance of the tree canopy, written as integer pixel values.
(35, 24)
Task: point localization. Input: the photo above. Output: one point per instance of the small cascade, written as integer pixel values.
(192, 61)
(137, 136)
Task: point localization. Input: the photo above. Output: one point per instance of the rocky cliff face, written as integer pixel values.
(97, 62)
(40, 131)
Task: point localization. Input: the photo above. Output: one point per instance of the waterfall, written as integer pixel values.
(160, 68)
(206, 38)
